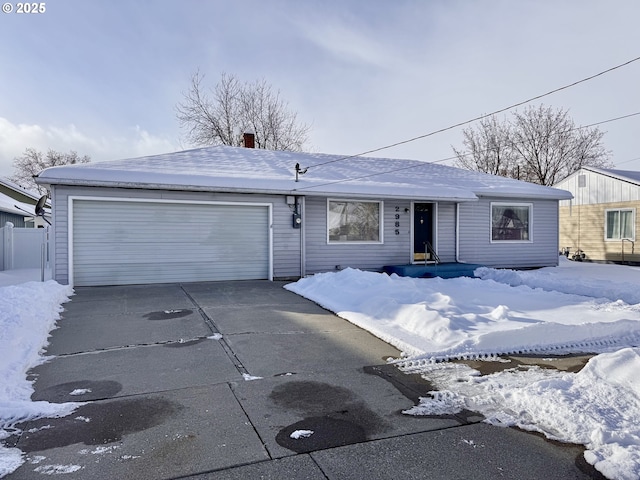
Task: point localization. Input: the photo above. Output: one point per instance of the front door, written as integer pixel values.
(422, 231)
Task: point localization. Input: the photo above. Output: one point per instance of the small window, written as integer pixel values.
(511, 222)
(350, 221)
(620, 224)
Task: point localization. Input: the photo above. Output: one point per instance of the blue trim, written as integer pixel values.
(442, 270)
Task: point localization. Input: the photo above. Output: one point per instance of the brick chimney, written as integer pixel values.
(249, 140)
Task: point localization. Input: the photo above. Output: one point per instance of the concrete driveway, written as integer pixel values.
(210, 380)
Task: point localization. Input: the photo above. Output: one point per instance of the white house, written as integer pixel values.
(220, 213)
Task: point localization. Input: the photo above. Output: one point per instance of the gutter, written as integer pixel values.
(264, 191)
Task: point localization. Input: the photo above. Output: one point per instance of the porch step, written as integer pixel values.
(442, 270)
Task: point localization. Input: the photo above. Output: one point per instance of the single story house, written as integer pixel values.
(219, 213)
(600, 223)
(17, 205)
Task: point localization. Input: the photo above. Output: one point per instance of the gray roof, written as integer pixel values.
(234, 169)
(632, 176)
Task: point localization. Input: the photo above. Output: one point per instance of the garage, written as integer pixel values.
(118, 241)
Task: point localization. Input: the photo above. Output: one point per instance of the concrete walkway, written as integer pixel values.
(210, 381)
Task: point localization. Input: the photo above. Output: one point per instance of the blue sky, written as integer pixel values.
(103, 77)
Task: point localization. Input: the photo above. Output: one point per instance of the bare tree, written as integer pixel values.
(220, 116)
(487, 149)
(32, 162)
(540, 145)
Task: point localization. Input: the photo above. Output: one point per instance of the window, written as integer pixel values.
(511, 222)
(620, 224)
(350, 221)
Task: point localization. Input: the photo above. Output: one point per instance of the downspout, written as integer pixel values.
(303, 235)
(458, 233)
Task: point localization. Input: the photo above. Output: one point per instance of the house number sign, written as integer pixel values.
(397, 221)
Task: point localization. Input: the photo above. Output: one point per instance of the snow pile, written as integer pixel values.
(471, 317)
(28, 313)
(576, 307)
(598, 407)
(595, 280)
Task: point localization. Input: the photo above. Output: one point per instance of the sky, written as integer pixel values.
(103, 78)
(575, 307)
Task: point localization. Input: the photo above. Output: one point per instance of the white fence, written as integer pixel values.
(23, 247)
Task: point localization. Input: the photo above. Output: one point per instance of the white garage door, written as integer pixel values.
(133, 242)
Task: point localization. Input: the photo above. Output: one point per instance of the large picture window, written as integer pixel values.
(620, 224)
(511, 222)
(351, 221)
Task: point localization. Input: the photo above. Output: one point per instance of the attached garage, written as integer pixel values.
(225, 213)
(116, 241)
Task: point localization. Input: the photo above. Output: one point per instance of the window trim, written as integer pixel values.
(633, 219)
(529, 205)
(358, 242)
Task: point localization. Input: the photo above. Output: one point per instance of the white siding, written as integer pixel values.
(598, 188)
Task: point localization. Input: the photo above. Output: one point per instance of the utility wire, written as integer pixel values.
(610, 120)
(627, 161)
(419, 137)
(421, 164)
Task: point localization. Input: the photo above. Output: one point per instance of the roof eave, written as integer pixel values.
(227, 189)
(526, 196)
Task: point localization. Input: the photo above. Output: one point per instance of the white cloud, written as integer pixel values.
(135, 142)
(347, 44)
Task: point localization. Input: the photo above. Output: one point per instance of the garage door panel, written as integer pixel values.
(149, 273)
(153, 242)
(169, 256)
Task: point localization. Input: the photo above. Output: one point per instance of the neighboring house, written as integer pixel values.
(220, 213)
(601, 221)
(17, 205)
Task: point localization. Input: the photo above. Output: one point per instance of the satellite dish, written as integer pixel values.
(40, 208)
(40, 205)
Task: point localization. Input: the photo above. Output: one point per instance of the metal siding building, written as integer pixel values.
(597, 194)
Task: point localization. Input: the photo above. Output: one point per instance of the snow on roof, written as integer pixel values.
(19, 188)
(233, 169)
(632, 176)
(10, 205)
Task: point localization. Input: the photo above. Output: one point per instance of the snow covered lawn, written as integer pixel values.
(577, 307)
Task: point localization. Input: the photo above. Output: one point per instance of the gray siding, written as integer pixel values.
(322, 256)
(286, 239)
(17, 220)
(475, 236)
(446, 232)
(125, 242)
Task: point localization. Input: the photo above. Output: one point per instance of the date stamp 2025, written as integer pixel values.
(28, 7)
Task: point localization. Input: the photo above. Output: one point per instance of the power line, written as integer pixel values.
(421, 164)
(627, 161)
(419, 137)
(610, 120)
